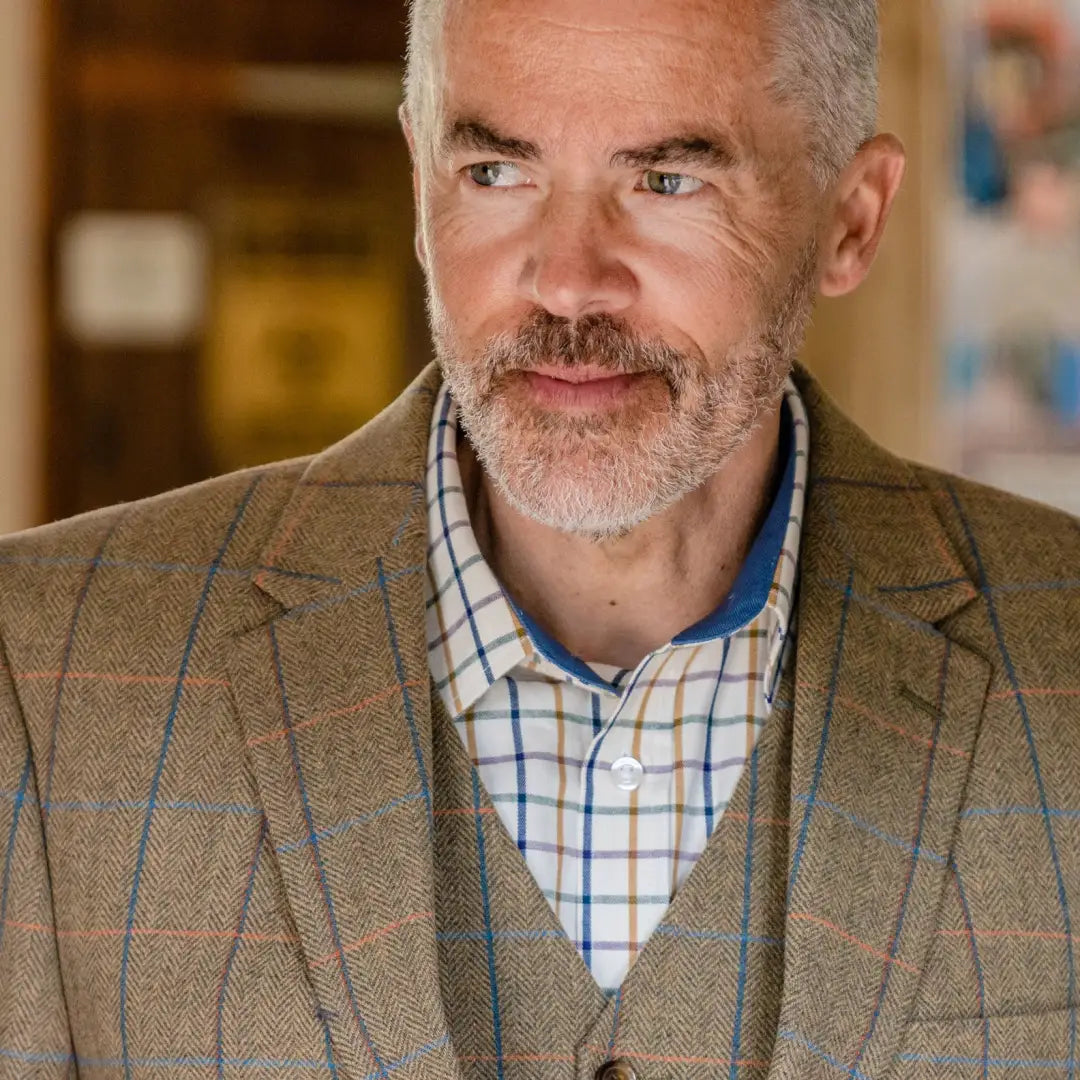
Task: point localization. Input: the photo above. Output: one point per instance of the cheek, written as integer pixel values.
(706, 283)
(474, 263)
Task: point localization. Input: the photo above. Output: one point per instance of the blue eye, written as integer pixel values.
(664, 183)
(493, 174)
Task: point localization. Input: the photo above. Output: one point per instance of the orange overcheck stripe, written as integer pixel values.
(682, 1059)
(359, 707)
(1003, 695)
(803, 917)
(882, 722)
(476, 1058)
(375, 935)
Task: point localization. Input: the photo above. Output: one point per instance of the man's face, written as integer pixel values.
(619, 240)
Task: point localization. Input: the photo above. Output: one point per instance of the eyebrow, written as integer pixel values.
(476, 136)
(708, 151)
(712, 151)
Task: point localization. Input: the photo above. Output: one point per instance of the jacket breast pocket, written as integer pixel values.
(1021, 1045)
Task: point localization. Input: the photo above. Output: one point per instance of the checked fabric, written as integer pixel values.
(234, 839)
(544, 728)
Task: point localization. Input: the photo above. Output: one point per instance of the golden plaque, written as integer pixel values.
(306, 340)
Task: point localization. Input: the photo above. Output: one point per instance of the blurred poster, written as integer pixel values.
(307, 325)
(1012, 249)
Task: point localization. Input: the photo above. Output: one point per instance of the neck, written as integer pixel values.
(614, 602)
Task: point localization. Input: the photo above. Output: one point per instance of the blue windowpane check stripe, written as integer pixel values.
(1033, 754)
(9, 855)
(144, 840)
(328, 899)
(489, 938)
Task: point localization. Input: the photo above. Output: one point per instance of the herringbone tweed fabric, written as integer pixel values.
(220, 801)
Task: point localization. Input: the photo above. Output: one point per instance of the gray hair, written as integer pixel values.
(826, 67)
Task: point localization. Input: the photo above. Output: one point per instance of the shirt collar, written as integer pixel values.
(476, 635)
(473, 635)
(753, 586)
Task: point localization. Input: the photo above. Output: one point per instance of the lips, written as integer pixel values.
(577, 375)
(580, 389)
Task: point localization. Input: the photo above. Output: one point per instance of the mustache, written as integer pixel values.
(600, 340)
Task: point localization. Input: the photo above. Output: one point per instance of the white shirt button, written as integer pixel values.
(627, 772)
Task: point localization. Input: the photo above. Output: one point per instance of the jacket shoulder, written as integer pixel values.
(1005, 540)
(141, 553)
(1024, 560)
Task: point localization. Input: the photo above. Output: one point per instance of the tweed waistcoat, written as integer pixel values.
(219, 803)
(519, 999)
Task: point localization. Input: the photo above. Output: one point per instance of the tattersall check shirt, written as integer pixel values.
(611, 782)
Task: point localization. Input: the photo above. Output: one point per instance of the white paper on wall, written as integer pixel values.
(133, 279)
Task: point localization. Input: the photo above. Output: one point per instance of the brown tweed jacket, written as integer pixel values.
(216, 801)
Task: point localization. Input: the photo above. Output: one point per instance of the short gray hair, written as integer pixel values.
(424, 69)
(826, 67)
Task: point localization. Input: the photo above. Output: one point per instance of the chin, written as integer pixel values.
(576, 511)
(596, 487)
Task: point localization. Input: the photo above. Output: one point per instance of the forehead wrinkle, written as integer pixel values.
(743, 17)
(737, 26)
(577, 28)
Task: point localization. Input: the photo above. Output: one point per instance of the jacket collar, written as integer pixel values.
(358, 501)
(869, 506)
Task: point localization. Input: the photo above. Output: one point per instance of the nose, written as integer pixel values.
(576, 264)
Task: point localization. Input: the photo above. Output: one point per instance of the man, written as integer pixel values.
(611, 708)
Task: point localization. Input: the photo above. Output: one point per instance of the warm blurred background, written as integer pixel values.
(206, 243)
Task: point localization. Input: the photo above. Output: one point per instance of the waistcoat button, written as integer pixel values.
(616, 1070)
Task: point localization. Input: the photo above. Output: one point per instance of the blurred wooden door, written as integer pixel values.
(178, 107)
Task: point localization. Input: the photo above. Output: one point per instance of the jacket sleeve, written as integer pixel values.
(35, 1038)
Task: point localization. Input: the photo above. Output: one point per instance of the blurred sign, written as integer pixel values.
(132, 280)
(306, 339)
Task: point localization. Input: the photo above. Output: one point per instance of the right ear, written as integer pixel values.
(410, 138)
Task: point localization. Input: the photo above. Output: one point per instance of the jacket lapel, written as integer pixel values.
(333, 695)
(887, 712)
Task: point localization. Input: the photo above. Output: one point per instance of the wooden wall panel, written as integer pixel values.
(21, 270)
(267, 31)
(877, 352)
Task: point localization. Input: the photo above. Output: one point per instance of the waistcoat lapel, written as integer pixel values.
(703, 997)
(333, 695)
(887, 711)
(518, 995)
